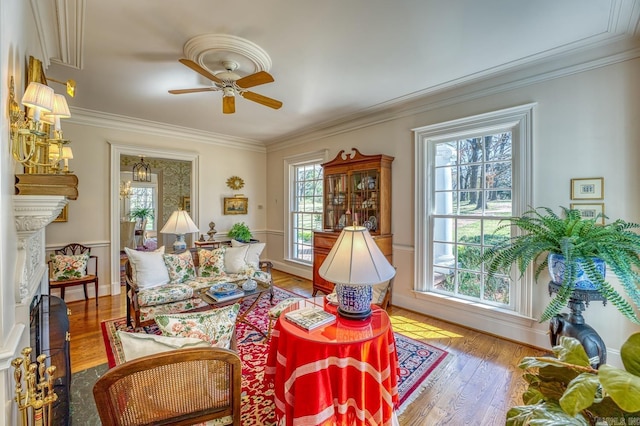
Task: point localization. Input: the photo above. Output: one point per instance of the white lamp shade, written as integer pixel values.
(356, 259)
(60, 107)
(67, 153)
(179, 223)
(38, 96)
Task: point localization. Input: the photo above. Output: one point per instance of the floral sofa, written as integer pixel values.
(162, 283)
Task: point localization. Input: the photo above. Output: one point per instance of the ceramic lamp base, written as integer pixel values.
(179, 244)
(354, 301)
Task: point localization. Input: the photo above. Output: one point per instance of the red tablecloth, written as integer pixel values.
(341, 374)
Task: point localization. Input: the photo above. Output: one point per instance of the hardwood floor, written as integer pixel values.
(477, 386)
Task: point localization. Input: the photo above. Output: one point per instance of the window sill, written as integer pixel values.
(470, 307)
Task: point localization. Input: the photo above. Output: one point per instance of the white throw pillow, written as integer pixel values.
(254, 251)
(136, 345)
(148, 268)
(234, 262)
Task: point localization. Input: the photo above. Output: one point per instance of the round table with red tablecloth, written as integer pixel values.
(344, 373)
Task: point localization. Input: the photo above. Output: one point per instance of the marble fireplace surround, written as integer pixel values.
(32, 213)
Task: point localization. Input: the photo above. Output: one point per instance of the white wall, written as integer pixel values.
(89, 215)
(586, 125)
(17, 41)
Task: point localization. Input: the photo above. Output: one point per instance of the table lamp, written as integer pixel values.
(355, 264)
(179, 223)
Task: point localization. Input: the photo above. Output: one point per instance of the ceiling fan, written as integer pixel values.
(231, 84)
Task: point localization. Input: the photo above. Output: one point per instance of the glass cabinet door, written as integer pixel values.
(336, 201)
(365, 203)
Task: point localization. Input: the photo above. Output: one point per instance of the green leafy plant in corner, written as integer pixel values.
(141, 213)
(566, 390)
(578, 240)
(240, 232)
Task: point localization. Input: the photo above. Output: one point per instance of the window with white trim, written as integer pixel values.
(471, 174)
(305, 201)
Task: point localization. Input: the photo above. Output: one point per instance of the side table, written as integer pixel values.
(346, 373)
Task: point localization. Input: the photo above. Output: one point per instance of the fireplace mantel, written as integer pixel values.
(32, 214)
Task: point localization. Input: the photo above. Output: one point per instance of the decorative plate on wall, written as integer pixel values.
(235, 183)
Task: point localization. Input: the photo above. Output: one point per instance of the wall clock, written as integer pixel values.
(235, 183)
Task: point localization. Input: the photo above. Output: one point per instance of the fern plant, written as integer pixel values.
(579, 240)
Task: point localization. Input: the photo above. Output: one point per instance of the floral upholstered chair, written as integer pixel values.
(73, 265)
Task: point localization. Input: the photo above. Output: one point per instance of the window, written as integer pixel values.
(472, 173)
(305, 201)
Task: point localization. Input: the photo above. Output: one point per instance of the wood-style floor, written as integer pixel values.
(477, 386)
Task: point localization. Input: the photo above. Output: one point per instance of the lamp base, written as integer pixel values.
(354, 316)
(354, 301)
(179, 244)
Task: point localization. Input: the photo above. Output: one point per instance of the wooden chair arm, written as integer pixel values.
(266, 265)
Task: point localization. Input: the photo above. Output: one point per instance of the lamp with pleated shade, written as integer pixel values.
(355, 264)
(179, 223)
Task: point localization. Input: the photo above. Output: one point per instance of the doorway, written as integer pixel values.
(117, 152)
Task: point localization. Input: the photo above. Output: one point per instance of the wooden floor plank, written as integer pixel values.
(477, 386)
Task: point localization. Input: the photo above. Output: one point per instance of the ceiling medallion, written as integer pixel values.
(235, 183)
(210, 50)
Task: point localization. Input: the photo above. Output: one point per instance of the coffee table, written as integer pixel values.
(242, 317)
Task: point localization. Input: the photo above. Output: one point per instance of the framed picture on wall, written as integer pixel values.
(236, 205)
(186, 204)
(64, 215)
(590, 211)
(587, 189)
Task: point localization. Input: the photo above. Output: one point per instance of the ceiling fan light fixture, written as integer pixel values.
(228, 91)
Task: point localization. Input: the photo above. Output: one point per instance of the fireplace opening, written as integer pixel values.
(49, 328)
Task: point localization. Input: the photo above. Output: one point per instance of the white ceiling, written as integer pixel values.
(332, 59)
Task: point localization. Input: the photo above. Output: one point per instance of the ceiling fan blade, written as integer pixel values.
(271, 103)
(228, 104)
(261, 77)
(181, 91)
(197, 68)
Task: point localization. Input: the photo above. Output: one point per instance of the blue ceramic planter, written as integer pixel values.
(557, 268)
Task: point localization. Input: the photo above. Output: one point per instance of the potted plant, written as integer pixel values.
(140, 214)
(566, 390)
(575, 245)
(240, 232)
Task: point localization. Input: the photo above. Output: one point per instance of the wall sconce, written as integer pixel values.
(33, 142)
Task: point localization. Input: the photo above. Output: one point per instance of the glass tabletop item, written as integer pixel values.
(223, 288)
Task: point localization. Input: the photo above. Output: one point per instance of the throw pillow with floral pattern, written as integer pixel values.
(180, 266)
(211, 262)
(65, 267)
(215, 326)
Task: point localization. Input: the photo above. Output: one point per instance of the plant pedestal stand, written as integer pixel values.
(573, 324)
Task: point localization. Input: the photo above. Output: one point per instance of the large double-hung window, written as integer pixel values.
(471, 174)
(305, 201)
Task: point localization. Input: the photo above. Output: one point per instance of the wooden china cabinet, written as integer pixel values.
(357, 189)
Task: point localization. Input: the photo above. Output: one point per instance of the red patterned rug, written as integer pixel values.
(417, 361)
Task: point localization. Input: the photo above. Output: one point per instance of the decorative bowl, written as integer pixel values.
(332, 299)
(249, 285)
(223, 288)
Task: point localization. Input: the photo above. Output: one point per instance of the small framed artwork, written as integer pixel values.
(186, 204)
(587, 189)
(64, 215)
(236, 205)
(590, 211)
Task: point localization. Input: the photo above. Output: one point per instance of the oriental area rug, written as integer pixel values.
(417, 361)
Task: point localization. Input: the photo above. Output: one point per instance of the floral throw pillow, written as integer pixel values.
(211, 262)
(215, 326)
(180, 267)
(66, 267)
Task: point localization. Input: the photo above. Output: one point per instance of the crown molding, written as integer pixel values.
(60, 27)
(105, 120)
(598, 53)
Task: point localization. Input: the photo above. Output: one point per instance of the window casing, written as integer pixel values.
(305, 194)
(470, 174)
